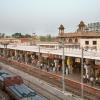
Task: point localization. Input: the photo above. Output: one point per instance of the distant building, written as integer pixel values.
(10, 40)
(16, 41)
(81, 38)
(94, 27)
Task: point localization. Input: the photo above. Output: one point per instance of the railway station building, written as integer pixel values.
(49, 55)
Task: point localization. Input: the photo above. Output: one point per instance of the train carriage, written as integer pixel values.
(23, 92)
(17, 90)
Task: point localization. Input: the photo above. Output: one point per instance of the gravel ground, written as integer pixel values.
(4, 96)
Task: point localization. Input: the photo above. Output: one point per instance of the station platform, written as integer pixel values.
(51, 76)
(76, 77)
(45, 88)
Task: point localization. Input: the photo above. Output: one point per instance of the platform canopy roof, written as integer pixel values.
(90, 54)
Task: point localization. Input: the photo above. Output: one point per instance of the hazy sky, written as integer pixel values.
(45, 16)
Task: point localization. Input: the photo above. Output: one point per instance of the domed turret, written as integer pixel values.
(81, 26)
(61, 30)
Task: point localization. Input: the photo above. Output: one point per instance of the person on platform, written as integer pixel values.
(92, 80)
(69, 64)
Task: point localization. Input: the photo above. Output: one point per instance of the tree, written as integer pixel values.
(17, 35)
(42, 38)
(27, 36)
(2, 35)
(48, 38)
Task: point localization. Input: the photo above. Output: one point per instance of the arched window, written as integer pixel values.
(76, 40)
(70, 40)
(67, 41)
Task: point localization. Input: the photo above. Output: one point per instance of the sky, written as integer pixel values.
(44, 16)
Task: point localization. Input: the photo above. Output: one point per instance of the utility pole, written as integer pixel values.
(39, 53)
(48, 59)
(61, 32)
(63, 67)
(82, 90)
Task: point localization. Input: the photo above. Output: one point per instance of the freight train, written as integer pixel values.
(14, 86)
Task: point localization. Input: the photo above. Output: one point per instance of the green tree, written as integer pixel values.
(42, 38)
(48, 38)
(17, 35)
(2, 35)
(27, 36)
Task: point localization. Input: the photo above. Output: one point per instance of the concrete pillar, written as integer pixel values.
(7, 52)
(26, 58)
(16, 53)
(0, 51)
(3, 51)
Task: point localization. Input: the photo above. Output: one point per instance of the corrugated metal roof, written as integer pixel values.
(4, 74)
(22, 91)
(37, 97)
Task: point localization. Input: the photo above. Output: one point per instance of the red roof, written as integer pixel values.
(24, 40)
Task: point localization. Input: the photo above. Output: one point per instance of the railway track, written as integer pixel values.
(90, 93)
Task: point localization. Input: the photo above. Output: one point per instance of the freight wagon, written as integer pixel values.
(5, 75)
(22, 92)
(17, 90)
